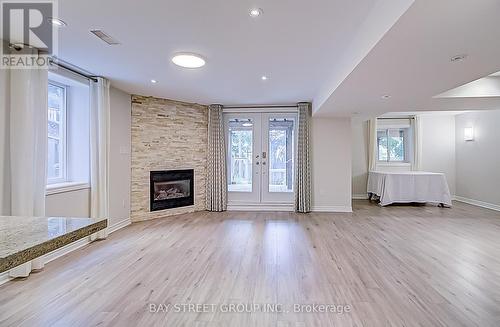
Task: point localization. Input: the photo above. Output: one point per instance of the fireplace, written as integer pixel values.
(171, 189)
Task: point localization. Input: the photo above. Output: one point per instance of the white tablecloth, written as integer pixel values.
(406, 187)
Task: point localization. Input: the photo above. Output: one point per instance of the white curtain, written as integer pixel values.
(216, 189)
(417, 143)
(23, 147)
(372, 145)
(99, 151)
(303, 166)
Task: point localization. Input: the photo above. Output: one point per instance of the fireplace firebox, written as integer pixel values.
(171, 189)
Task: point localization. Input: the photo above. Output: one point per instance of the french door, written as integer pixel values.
(260, 157)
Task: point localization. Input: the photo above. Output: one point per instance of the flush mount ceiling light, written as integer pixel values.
(264, 78)
(188, 60)
(57, 22)
(255, 12)
(458, 58)
(385, 96)
(154, 81)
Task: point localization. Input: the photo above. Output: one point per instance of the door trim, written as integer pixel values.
(259, 110)
(288, 207)
(251, 201)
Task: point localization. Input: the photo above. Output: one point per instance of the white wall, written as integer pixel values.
(478, 161)
(438, 150)
(331, 164)
(68, 204)
(120, 150)
(438, 146)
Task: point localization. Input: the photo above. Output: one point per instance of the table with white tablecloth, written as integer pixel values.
(408, 187)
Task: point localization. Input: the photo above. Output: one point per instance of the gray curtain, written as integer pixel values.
(216, 193)
(303, 165)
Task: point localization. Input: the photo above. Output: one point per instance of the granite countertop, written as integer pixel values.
(24, 238)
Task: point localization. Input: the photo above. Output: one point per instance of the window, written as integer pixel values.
(392, 144)
(56, 132)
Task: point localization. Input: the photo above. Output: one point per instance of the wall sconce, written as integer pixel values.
(468, 134)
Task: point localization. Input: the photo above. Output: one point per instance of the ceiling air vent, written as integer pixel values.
(105, 37)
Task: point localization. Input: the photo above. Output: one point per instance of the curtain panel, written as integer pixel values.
(416, 163)
(372, 144)
(303, 162)
(99, 150)
(216, 187)
(23, 147)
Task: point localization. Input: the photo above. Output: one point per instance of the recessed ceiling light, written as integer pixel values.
(458, 58)
(188, 60)
(154, 81)
(57, 22)
(255, 12)
(264, 78)
(385, 96)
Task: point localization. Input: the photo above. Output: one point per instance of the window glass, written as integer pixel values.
(382, 145)
(56, 126)
(392, 144)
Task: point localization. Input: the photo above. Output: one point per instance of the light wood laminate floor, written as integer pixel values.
(392, 266)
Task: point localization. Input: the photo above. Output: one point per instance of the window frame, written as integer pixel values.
(407, 135)
(64, 139)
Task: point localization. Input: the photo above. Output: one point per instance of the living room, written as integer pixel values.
(220, 163)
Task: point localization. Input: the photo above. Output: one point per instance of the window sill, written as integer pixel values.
(66, 187)
(393, 164)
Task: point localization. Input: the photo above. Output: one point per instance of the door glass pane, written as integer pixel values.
(281, 154)
(240, 150)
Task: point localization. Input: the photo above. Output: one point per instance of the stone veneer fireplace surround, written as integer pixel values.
(167, 135)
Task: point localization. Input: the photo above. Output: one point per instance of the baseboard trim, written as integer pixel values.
(66, 249)
(119, 225)
(360, 196)
(477, 203)
(332, 209)
(4, 277)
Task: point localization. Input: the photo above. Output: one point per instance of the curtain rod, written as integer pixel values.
(260, 106)
(74, 71)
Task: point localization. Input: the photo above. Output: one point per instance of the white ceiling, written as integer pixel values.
(412, 61)
(341, 54)
(488, 86)
(293, 43)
